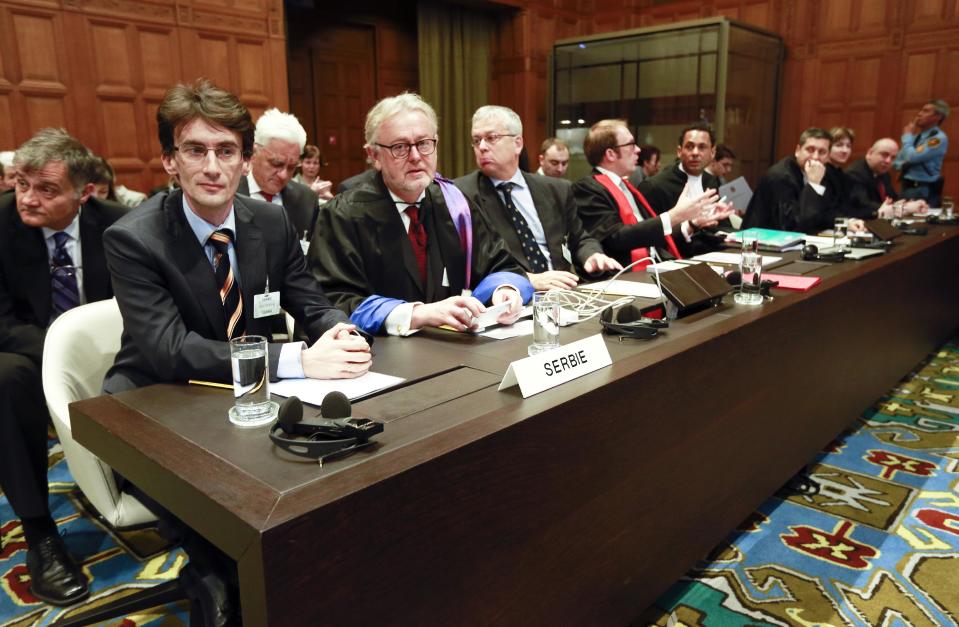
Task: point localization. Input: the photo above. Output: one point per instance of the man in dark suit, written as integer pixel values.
(279, 139)
(51, 259)
(535, 215)
(871, 192)
(615, 213)
(792, 195)
(162, 256)
(190, 269)
(688, 178)
(405, 250)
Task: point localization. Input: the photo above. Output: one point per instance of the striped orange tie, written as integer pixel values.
(229, 289)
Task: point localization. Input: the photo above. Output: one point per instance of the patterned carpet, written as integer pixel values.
(878, 545)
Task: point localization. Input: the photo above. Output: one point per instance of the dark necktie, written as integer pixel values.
(267, 197)
(63, 277)
(882, 189)
(537, 261)
(417, 235)
(229, 290)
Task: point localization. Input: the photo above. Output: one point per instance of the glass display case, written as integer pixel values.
(663, 78)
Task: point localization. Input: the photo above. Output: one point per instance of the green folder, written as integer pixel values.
(770, 239)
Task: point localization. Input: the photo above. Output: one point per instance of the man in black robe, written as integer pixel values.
(404, 249)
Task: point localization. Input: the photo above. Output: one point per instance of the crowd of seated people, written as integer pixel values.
(396, 250)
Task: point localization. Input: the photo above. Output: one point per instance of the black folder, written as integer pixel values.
(693, 288)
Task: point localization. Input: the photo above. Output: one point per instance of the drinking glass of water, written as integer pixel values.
(750, 269)
(251, 382)
(948, 207)
(840, 231)
(545, 323)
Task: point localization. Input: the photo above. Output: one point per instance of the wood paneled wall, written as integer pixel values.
(867, 64)
(99, 68)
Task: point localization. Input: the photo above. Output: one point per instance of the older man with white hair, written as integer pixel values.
(8, 173)
(404, 249)
(279, 139)
(535, 215)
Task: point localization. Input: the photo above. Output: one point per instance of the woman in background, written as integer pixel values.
(309, 173)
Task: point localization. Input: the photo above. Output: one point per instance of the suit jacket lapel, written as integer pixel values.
(96, 279)
(190, 258)
(550, 217)
(393, 220)
(251, 256)
(31, 251)
(494, 208)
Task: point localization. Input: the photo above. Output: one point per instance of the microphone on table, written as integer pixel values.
(337, 433)
(735, 277)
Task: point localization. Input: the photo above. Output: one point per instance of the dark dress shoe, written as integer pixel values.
(210, 603)
(54, 577)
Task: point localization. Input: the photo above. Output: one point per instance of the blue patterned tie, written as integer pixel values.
(63, 277)
(535, 256)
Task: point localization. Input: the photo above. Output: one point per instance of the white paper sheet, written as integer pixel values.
(312, 391)
(523, 327)
(732, 258)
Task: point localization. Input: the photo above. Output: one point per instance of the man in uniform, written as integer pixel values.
(924, 147)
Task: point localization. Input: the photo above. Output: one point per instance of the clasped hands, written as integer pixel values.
(459, 312)
(340, 353)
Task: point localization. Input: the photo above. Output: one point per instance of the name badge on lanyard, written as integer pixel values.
(266, 304)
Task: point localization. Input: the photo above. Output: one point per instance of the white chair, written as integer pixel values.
(79, 348)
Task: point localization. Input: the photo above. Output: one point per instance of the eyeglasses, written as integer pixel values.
(632, 143)
(401, 150)
(195, 153)
(490, 139)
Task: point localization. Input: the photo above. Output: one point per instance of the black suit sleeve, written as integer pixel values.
(581, 244)
(336, 257)
(151, 317)
(17, 336)
(601, 220)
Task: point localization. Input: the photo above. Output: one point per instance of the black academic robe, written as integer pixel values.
(174, 328)
(864, 197)
(663, 190)
(783, 201)
(556, 208)
(360, 248)
(600, 215)
(299, 201)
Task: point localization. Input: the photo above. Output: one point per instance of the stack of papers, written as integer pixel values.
(313, 391)
(769, 239)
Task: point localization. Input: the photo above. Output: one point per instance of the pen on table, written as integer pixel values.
(211, 384)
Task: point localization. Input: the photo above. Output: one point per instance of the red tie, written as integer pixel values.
(882, 189)
(417, 235)
(267, 197)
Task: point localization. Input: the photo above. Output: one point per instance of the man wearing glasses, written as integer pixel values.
(615, 213)
(535, 215)
(51, 260)
(404, 249)
(278, 142)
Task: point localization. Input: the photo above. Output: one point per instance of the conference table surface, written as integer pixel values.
(579, 505)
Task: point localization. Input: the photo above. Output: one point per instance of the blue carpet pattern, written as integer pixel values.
(878, 545)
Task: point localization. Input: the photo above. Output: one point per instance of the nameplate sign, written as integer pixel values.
(541, 372)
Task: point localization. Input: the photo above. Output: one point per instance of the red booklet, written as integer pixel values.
(792, 282)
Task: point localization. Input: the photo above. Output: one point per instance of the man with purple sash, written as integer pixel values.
(403, 249)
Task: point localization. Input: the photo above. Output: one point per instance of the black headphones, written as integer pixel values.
(323, 439)
(810, 252)
(629, 322)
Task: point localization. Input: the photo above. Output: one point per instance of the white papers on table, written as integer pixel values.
(523, 327)
(732, 259)
(312, 391)
(737, 193)
(618, 287)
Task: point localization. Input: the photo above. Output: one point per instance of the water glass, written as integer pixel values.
(251, 382)
(948, 208)
(839, 233)
(545, 323)
(751, 270)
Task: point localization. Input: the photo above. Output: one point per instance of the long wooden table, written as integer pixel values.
(576, 506)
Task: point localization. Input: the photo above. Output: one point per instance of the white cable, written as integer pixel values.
(583, 305)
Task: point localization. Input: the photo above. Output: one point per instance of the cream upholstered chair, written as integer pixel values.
(79, 348)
